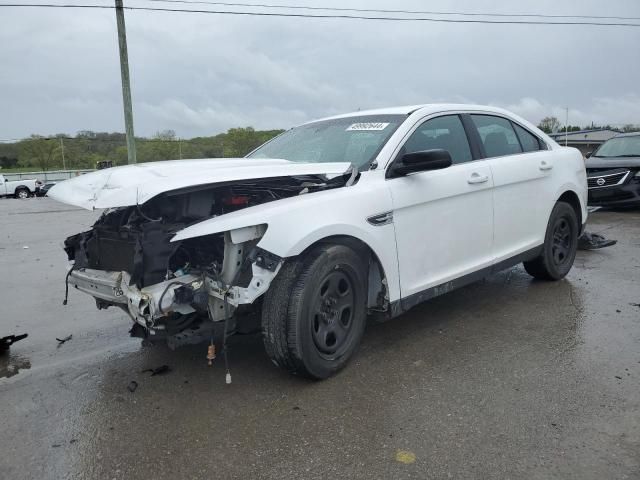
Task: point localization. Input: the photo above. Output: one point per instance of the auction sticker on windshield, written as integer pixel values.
(370, 126)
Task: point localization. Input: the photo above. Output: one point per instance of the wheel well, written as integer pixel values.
(378, 291)
(572, 199)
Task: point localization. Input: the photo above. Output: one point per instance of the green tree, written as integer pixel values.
(549, 125)
(39, 152)
(630, 128)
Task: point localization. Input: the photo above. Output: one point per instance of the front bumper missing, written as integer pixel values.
(148, 304)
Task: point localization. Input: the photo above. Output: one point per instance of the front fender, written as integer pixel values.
(294, 224)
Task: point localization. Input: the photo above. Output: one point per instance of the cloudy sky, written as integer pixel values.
(202, 74)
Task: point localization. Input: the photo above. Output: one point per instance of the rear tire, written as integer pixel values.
(314, 313)
(23, 193)
(560, 245)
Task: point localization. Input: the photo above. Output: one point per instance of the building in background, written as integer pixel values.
(584, 140)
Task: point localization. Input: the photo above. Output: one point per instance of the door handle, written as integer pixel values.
(545, 166)
(476, 178)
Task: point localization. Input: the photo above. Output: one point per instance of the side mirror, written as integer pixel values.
(422, 161)
(588, 154)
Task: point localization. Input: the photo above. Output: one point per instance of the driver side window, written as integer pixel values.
(446, 133)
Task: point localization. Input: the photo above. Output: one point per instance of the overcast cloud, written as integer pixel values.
(202, 74)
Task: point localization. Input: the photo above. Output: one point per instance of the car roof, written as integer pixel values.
(426, 108)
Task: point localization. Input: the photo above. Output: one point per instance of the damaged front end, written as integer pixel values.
(179, 291)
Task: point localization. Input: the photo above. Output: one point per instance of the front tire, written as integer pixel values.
(314, 313)
(560, 245)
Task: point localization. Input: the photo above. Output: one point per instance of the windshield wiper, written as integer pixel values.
(616, 156)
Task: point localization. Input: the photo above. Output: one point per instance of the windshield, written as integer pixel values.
(620, 147)
(357, 140)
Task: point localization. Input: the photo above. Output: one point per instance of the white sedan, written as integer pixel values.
(363, 214)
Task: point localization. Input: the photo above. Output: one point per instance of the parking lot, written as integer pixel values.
(506, 378)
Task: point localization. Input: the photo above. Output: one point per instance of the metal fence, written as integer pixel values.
(46, 177)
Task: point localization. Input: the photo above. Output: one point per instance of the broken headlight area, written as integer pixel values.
(137, 239)
(128, 260)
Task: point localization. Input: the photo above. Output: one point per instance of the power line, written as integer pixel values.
(407, 12)
(330, 16)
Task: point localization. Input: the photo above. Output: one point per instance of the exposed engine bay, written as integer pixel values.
(177, 291)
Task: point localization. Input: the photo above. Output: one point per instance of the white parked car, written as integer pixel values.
(23, 188)
(364, 214)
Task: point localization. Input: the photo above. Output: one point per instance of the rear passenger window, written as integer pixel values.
(497, 135)
(445, 133)
(528, 141)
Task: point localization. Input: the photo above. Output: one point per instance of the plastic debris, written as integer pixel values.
(161, 370)
(64, 340)
(6, 342)
(593, 241)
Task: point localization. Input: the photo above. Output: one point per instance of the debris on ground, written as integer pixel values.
(593, 241)
(162, 369)
(6, 342)
(64, 340)
(132, 386)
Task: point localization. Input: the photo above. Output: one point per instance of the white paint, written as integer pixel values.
(445, 223)
(136, 184)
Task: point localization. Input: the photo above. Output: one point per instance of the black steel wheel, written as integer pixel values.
(333, 313)
(314, 313)
(562, 242)
(560, 246)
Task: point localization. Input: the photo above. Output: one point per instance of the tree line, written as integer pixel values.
(553, 125)
(87, 148)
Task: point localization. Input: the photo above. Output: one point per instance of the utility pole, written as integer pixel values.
(126, 87)
(64, 165)
(566, 126)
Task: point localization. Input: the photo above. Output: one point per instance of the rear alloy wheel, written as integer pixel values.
(314, 312)
(22, 193)
(560, 245)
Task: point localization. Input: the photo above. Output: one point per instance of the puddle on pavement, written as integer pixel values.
(11, 364)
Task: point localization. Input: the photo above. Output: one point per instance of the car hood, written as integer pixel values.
(136, 184)
(623, 162)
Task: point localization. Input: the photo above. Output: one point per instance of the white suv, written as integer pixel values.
(364, 214)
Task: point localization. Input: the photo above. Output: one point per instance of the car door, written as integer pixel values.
(443, 218)
(522, 171)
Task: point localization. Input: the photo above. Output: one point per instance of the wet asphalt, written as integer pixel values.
(506, 378)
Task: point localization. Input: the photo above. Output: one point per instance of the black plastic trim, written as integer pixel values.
(404, 304)
(475, 142)
(266, 260)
